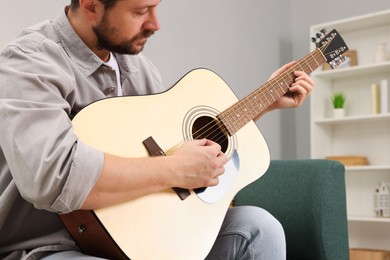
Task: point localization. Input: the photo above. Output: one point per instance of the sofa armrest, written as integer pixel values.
(308, 198)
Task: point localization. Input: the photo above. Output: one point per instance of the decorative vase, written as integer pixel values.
(381, 54)
(338, 112)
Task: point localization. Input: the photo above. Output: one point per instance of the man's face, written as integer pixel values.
(125, 28)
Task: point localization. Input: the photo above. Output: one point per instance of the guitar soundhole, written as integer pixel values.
(212, 129)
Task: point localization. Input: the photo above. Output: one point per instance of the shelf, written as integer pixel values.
(360, 132)
(359, 23)
(367, 168)
(368, 219)
(354, 119)
(353, 71)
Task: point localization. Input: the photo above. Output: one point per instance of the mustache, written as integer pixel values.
(145, 34)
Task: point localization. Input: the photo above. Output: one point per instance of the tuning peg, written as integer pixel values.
(324, 30)
(319, 36)
(333, 64)
(340, 59)
(337, 61)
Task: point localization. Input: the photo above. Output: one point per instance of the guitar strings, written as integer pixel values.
(265, 91)
(217, 134)
(288, 74)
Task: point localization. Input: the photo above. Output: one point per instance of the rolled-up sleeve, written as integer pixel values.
(81, 178)
(50, 166)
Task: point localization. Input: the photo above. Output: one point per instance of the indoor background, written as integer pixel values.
(242, 41)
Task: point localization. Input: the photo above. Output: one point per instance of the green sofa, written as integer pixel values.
(308, 198)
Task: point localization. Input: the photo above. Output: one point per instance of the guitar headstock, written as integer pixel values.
(332, 46)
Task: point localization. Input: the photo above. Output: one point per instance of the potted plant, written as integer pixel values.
(338, 100)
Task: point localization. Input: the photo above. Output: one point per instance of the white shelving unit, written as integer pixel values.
(360, 132)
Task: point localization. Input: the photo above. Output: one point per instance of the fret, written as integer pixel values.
(311, 54)
(284, 81)
(249, 108)
(309, 68)
(301, 67)
(291, 76)
(308, 64)
(244, 116)
(281, 91)
(266, 99)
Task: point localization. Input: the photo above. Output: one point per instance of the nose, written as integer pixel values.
(152, 22)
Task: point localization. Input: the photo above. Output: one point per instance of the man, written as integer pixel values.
(92, 50)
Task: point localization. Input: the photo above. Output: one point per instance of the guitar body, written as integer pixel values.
(161, 225)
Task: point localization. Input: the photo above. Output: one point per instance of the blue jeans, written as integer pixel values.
(247, 233)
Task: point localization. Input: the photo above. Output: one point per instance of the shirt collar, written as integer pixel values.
(78, 51)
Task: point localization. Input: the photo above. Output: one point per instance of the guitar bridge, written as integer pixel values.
(155, 150)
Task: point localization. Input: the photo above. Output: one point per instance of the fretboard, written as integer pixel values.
(247, 109)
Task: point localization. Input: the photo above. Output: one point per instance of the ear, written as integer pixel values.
(91, 10)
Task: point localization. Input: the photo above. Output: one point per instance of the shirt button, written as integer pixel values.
(109, 91)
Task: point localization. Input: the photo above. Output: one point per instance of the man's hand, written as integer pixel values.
(194, 164)
(298, 91)
(200, 163)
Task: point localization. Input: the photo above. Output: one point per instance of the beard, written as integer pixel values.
(105, 34)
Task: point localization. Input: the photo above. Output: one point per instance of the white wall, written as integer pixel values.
(243, 41)
(17, 14)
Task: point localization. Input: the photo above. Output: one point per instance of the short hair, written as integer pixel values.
(74, 4)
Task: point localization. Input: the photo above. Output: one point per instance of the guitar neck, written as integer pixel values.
(247, 109)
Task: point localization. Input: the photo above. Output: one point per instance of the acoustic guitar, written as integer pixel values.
(178, 223)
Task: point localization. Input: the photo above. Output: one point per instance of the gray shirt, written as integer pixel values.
(47, 75)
